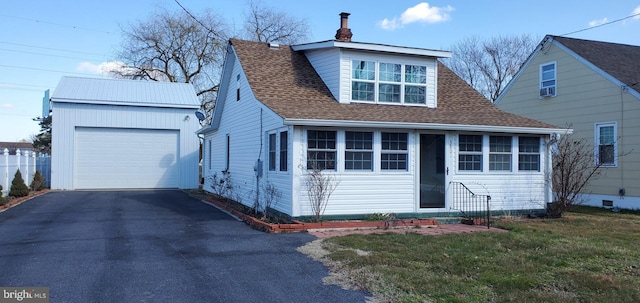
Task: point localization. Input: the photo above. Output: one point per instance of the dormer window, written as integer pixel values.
(384, 82)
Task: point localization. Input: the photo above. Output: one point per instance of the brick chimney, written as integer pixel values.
(344, 33)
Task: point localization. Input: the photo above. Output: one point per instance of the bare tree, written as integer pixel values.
(489, 65)
(574, 167)
(267, 25)
(176, 47)
(320, 185)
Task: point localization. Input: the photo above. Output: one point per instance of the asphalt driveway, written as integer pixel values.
(153, 246)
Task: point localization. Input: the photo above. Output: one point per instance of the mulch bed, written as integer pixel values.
(240, 211)
(15, 201)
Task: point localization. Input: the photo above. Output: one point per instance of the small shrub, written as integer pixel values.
(38, 183)
(18, 187)
(2, 199)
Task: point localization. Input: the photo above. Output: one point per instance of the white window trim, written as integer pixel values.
(377, 151)
(555, 78)
(278, 135)
(511, 153)
(377, 81)
(517, 154)
(596, 145)
(486, 151)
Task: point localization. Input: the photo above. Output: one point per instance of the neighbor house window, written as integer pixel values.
(358, 154)
(363, 84)
(528, 153)
(606, 144)
(283, 150)
(321, 149)
(387, 82)
(470, 152)
(272, 152)
(548, 79)
(499, 153)
(394, 151)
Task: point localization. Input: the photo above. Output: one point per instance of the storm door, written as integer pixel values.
(432, 171)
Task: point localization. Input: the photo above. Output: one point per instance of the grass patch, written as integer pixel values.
(591, 255)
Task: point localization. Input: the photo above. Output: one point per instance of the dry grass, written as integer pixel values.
(590, 256)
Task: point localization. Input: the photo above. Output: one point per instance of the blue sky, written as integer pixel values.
(41, 41)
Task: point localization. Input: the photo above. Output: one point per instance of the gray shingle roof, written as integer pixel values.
(285, 81)
(618, 60)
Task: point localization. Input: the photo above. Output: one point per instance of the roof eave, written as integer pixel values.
(426, 126)
(106, 102)
(372, 47)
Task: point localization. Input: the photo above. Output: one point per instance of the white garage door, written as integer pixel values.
(125, 158)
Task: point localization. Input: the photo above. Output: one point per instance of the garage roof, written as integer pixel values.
(125, 92)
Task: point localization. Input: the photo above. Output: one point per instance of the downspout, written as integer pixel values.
(259, 167)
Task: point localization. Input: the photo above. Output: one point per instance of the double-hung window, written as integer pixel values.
(394, 151)
(389, 82)
(606, 144)
(358, 154)
(548, 79)
(528, 153)
(272, 152)
(500, 153)
(284, 143)
(415, 89)
(470, 152)
(321, 150)
(363, 84)
(386, 82)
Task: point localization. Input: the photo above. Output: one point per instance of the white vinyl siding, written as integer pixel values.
(69, 116)
(420, 79)
(326, 63)
(246, 123)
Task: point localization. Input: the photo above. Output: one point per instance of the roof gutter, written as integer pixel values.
(125, 103)
(427, 126)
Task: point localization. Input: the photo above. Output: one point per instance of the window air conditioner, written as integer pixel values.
(547, 91)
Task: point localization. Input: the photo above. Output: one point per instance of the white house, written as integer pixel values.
(112, 134)
(393, 125)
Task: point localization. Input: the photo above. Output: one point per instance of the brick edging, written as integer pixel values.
(298, 226)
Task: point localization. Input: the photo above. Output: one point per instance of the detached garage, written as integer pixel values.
(123, 134)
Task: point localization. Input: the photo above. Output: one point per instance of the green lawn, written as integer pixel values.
(591, 255)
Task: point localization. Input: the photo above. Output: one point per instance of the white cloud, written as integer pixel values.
(102, 68)
(422, 13)
(7, 106)
(389, 24)
(598, 22)
(636, 12)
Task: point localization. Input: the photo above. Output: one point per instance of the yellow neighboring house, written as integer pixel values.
(595, 87)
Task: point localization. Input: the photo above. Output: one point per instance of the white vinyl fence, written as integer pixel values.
(28, 163)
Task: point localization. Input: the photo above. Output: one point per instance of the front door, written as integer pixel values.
(432, 171)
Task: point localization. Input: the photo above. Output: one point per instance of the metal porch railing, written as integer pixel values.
(473, 208)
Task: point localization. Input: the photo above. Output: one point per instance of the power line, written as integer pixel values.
(599, 25)
(45, 70)
(57, 24)
(49, 55)
(19, 84)
(49, 48)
